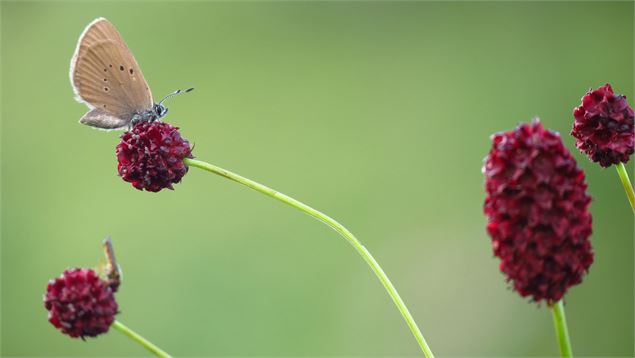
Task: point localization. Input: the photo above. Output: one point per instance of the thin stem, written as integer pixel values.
(626, 183)
(562, 333)
(370, 260)
(142, 341)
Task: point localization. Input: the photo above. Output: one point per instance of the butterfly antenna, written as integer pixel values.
(177, 92)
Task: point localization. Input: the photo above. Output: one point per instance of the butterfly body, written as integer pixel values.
(107, 78)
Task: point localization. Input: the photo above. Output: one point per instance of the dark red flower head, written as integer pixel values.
(151, 156)
(80, 303)
(604, 127)
(537, 210)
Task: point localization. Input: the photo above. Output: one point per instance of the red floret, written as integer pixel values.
(538, 212)
(604, 127)
(80, 303)
(151, 156)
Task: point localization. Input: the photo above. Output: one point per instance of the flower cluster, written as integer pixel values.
(80, 303)
(151, 156)
(537, 209)
(604, 127)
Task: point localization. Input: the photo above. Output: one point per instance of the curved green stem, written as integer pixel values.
(626, 183)
(562, 333)
(142, 341)
(401, 306)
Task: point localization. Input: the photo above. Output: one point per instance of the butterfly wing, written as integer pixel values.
(100, 119)
(105, 75)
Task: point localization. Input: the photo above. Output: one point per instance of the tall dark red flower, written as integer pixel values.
(151, 156)
(80, 303)
(604, 127)
(537, 210)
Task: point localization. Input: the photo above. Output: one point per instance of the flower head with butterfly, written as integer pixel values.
(107, 78)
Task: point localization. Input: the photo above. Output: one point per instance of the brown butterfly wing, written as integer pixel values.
(105, 74)
(100, 119)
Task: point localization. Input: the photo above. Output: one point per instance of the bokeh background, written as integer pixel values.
(377, 113)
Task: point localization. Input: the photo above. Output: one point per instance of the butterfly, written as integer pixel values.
(107, 78)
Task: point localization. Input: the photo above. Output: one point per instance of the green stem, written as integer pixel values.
(392, 291)
(562, 333)
(626, 183)
(142, 341)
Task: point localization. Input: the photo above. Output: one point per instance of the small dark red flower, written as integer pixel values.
(80, 303)
(151, 156)
(537, 210)
(604, 127)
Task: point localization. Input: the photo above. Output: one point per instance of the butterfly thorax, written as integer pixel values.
(150, 115)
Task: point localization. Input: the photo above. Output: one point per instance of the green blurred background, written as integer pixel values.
(377, 113)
